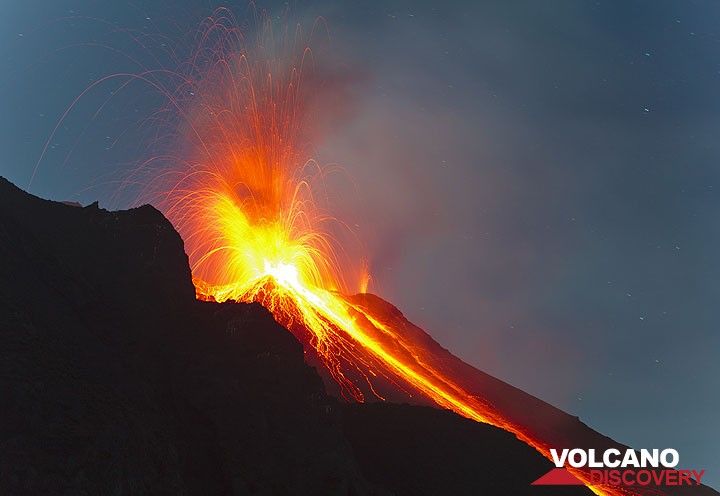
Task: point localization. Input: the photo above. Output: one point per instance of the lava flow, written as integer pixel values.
(242, 193)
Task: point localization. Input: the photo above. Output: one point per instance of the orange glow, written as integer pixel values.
(243, 199)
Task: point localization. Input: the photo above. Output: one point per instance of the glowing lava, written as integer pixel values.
(241, 191)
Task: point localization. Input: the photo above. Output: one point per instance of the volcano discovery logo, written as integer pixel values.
(616, 468)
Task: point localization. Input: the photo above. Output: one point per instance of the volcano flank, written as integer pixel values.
(116, 379)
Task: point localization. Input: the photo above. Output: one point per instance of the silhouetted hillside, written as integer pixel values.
(116, 380)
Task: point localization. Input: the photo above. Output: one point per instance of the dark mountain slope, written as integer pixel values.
(115, 380)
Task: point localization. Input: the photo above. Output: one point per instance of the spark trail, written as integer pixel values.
(241, 188)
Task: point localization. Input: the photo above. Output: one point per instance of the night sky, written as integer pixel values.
(537, 183)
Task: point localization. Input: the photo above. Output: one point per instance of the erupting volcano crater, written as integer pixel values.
(237, 179)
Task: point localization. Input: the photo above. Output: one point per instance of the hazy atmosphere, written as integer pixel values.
(535, 183)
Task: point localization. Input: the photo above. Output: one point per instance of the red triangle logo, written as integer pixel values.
(558, 477)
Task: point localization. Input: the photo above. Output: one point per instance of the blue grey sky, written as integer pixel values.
(537, 182)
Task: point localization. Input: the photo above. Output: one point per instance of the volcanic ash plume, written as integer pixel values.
(243, 190)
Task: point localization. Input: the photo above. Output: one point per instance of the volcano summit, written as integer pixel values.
(116, 379)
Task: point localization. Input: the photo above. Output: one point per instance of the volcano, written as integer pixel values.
(117, 379)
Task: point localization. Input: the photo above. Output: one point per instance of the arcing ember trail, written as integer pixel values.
(243, 202)
(241, 189)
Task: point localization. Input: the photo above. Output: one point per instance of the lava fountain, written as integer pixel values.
(245, 194)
